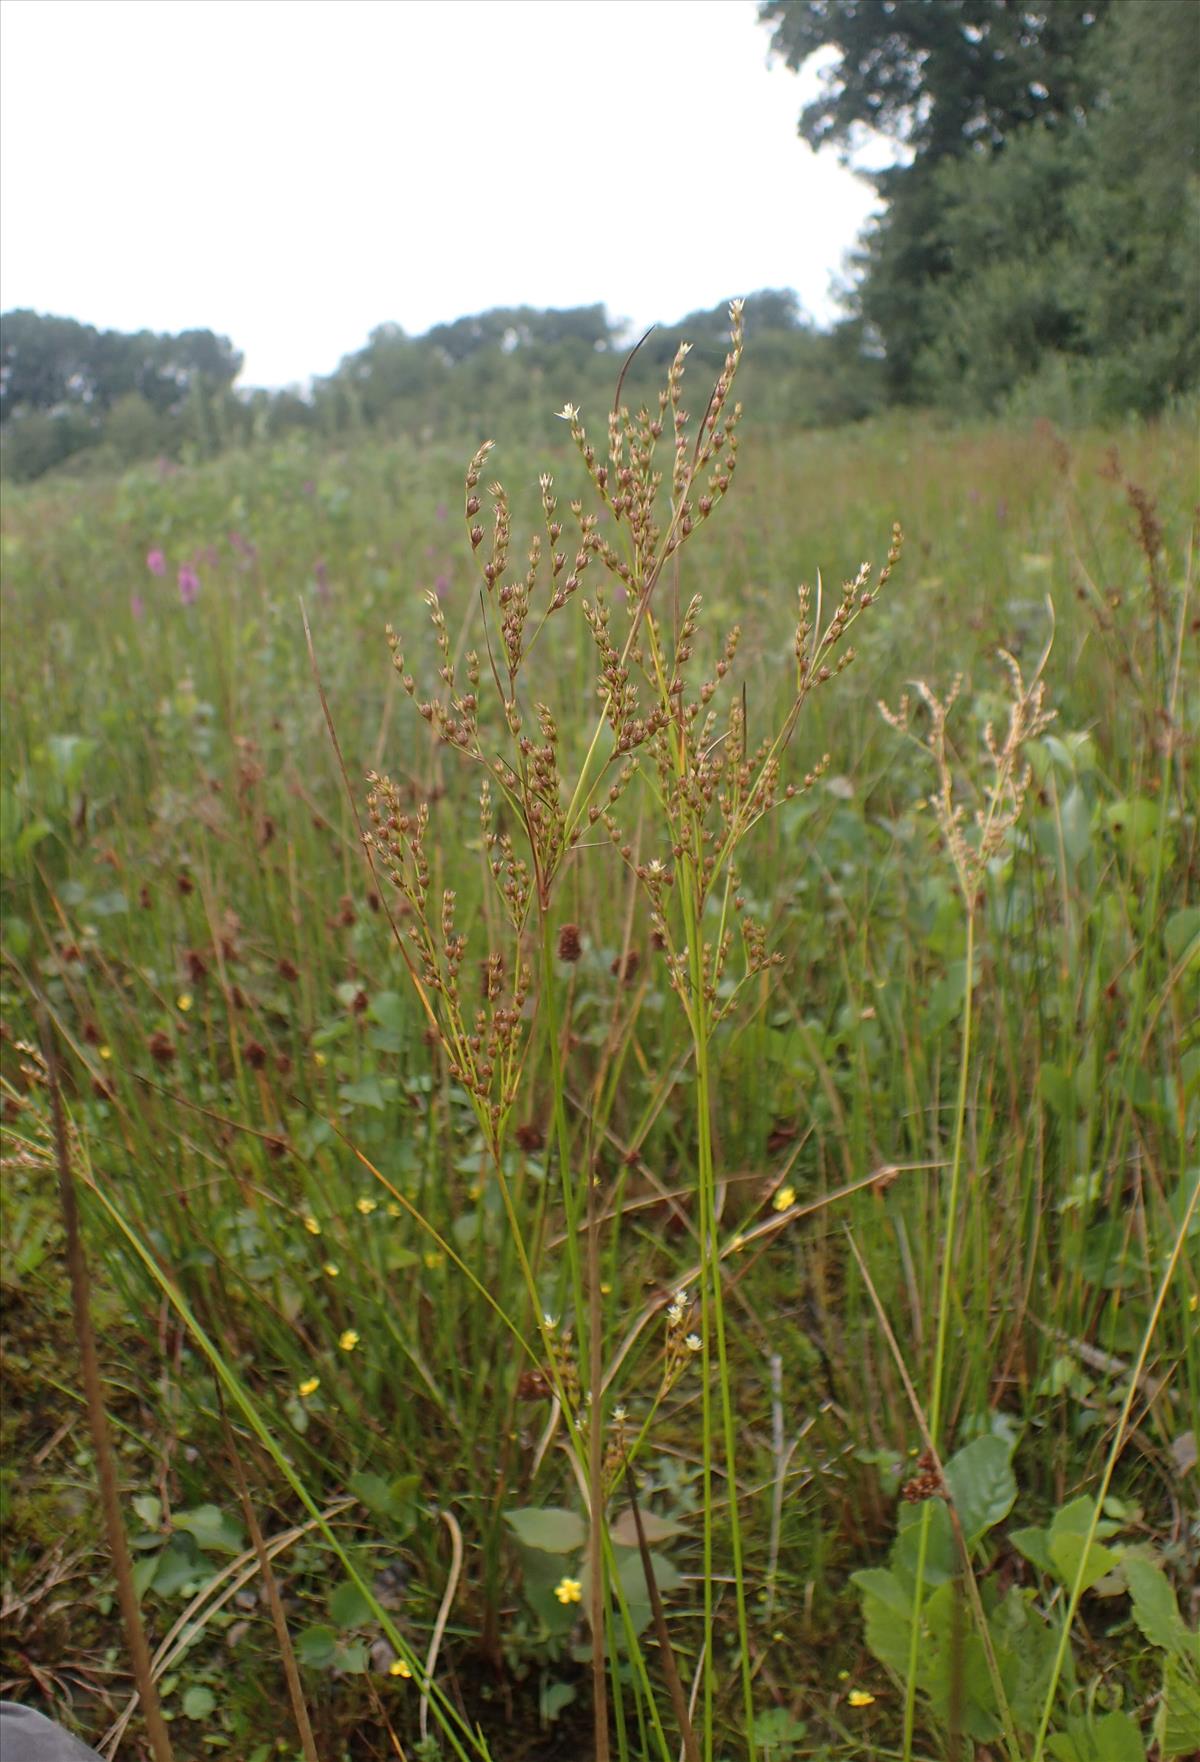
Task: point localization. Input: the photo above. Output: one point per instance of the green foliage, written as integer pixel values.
(940, 76)
(67, 388)
(99, 402)
(1038, 250)
(953, 1675)
(187, 837)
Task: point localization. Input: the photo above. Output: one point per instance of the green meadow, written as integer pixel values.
(708, 1231)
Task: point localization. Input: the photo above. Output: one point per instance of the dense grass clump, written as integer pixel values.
(592, 1129)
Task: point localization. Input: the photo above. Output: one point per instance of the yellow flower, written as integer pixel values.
(105, 1052)
(348, 1341)
(434, 1258)
(308, 1387)
(394, 1210)
(398, 1668)
(331, 1269)
(475, 1189)
(859, 1698)
(311, 1225)
(366, 1206)
(784, 1199)
(319, 1058)
(569, 1590)
(184, 1001)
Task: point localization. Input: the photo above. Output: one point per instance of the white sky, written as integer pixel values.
(291, 173)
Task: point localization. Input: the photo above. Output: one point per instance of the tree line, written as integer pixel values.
(1039, 243)
(1037, 251)
(96, 400)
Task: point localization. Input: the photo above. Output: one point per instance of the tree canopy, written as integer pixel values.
(98, 400)
(939, 75)
(1039, 239)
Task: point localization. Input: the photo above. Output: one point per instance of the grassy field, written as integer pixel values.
(386, 1229)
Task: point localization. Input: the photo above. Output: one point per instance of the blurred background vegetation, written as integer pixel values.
(1036, 254)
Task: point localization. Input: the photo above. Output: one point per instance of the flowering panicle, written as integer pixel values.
(1004, 790)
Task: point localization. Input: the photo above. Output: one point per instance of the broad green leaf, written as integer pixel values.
(953, 1667)
(393, 1500)
(776, 1733)
(556, 1698)
(212, 1528)
(1067, 1551)
(149, 1509)
(941, 1555)
(367, 1093)
(541, 1573)
(353, 1657)
(1075, 1519)
(1112, 1737)
(1034, 1544)
(198, 1702)
(633, 1578)
(1154, 1607)
(548, 1527)
(982, 1485)
(347, 1606)
(179, 1564)
(1178, 1726)
(1117, 1739)
(1025, 1647)
(389, 1009)
(887, 1616)
(633, 1583)
(876, 1581)
(316, 1646)
(143, 1574)
(1063, 1747)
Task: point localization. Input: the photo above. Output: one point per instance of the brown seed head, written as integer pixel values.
(570, 944)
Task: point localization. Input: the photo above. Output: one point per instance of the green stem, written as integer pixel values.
(943, 1327)
(713, 1323)
(1118, 1444)
(570, 1198)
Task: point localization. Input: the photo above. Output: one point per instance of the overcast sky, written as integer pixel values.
(291, 173)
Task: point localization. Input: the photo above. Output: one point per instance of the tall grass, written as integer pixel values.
(439, 1171)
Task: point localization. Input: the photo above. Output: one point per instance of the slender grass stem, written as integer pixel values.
(1115, 1448)
(937, 1375)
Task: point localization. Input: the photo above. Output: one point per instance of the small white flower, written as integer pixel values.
(568, 413)
(693, 1342)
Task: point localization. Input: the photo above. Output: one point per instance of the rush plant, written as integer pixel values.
(672, 783)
